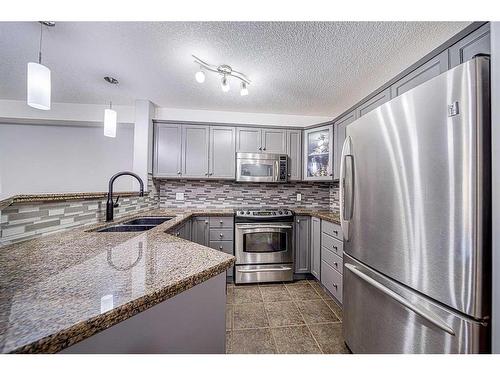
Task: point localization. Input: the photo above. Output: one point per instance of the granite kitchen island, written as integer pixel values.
(82, 291)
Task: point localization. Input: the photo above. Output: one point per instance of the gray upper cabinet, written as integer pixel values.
(316, 247)
(294, 151)
(318, 154)
(371, 104)
(248, 140)
(274, 140)
(261, 140)
(222, 152)
(302, 244)
(339, 136)
(167, 160)
(430, 69)
(195, 151)
(200, 230)
(478, 42)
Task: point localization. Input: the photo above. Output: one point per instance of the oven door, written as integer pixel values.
(257, 170)
(264, 243)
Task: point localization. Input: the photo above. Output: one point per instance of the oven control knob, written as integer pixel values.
(248, 212)
(280, 212)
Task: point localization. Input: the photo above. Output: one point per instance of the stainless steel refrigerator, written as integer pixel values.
(415, 212)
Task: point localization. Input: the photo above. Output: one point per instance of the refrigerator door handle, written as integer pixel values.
(420, 311)
(344, 217)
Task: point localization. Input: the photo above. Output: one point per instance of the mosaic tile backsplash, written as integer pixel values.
(220, 194)
(22, 221)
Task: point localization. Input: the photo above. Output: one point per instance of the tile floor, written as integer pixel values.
(294, 318)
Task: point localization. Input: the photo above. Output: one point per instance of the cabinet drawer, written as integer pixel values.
(332, 229)
(332, 259)
(224, 246)
(332, 244)
(331, 280)
(221, 234)
(221, 222)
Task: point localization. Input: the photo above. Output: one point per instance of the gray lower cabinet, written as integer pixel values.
(195, 141)
(430, 69)
(374, 102)
(294, 151)
(221, 235)
(302, 244)
(248, 140)
(274, 141)
(200, 230)
(477, 42)
(167, 150)
(183, 230)
(316, 247)
(339, 128)
(222, 152)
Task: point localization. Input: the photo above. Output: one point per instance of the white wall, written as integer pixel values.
(273, 119)
(63, 112)
(54, 158)
(495, 168)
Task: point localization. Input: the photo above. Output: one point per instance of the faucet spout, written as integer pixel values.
(110, 204)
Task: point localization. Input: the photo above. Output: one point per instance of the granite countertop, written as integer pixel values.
(62, 288)
(332, 216)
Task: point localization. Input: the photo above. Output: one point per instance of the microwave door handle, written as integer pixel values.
(276, 170)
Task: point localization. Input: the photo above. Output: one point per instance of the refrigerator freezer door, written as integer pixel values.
(382, 316)
(417, 177)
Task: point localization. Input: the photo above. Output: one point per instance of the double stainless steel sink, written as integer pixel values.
(140, 224)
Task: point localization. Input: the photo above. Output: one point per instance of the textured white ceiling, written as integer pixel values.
(307, 68)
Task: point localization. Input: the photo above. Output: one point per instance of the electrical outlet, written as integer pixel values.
(299, 197)
(179, 196)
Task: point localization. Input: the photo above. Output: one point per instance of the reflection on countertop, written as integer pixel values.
(62, 288)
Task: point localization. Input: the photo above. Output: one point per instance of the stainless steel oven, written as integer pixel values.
(263, 245)
(261, 167)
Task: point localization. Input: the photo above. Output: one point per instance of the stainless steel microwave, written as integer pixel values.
(261, 167)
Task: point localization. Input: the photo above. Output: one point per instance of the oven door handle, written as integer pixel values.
(265, 270)
(239, 226)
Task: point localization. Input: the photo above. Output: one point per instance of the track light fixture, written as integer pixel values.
(225, 71)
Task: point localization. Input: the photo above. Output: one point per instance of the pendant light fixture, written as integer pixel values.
(110, 114)
(225, 71)
(39, 85)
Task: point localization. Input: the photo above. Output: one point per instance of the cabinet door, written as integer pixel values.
(248, 140)
(477, 42)
(222, 152)
(430, 69)
(318, 154)
(167, 160)
(302, 244)
(339, 137)
(185, 230)
(373, 103)
(200, 230)
(195, 151)
(294, 151)
(274, 140)
(316, 247)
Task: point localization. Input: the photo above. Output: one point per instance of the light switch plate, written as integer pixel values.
(299, 197)
(179, 196)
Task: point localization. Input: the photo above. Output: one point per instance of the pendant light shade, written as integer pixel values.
(110, 123)
(39, 87)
